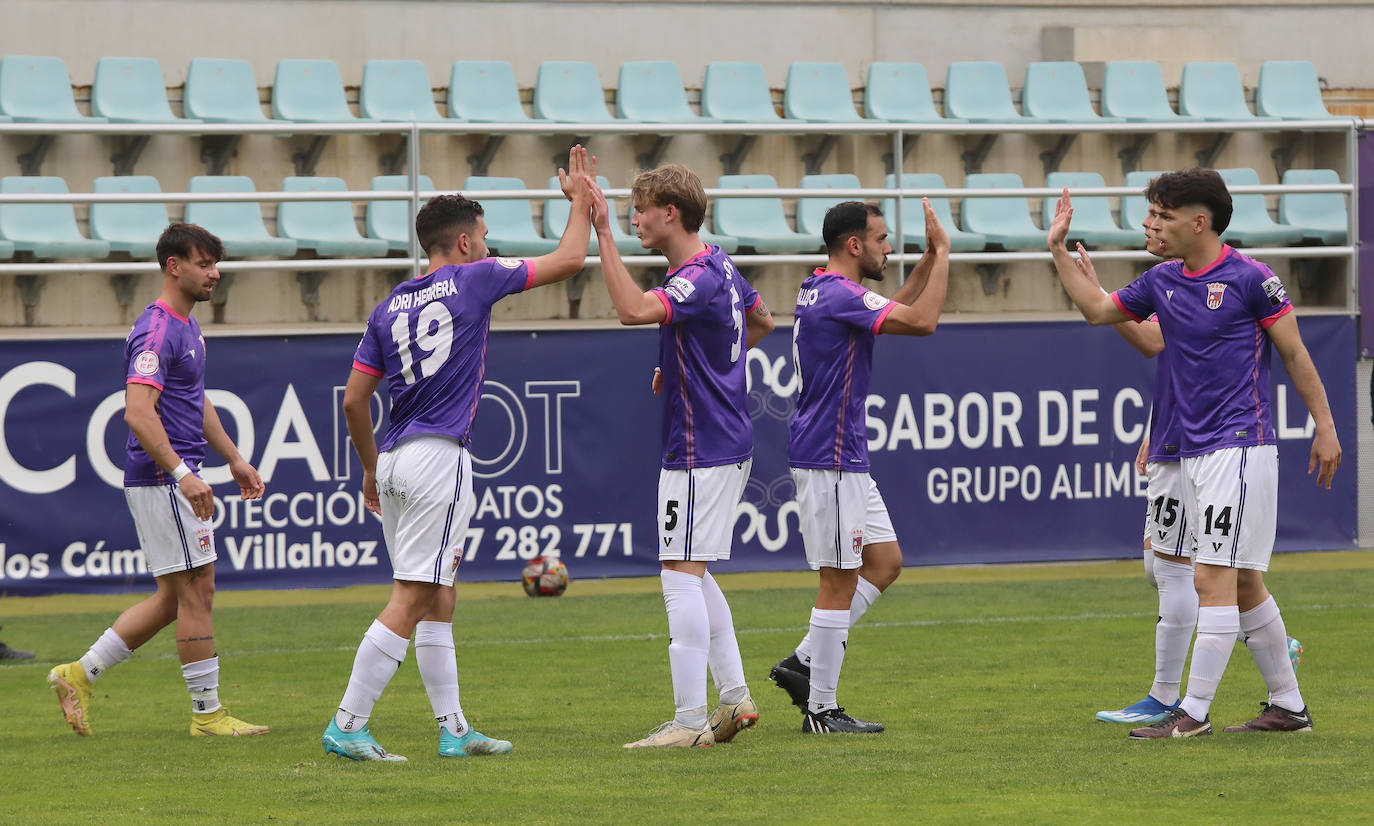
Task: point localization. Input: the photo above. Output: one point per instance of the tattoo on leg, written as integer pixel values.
(195, 639)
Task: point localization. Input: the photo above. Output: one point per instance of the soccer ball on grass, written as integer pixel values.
(545, 576)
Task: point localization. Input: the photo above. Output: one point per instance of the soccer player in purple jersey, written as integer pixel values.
(845, 526)
(170, 423)
(1220, 312)
(708, 316)
(429, 339)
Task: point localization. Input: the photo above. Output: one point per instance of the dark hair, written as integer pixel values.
(180, 240)
(846, 219)
(443, 219)
(1193, 187)
(671, 185)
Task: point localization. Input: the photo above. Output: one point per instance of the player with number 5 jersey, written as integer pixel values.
(429, 340)
(708, 318)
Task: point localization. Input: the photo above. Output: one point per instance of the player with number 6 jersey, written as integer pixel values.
(429, 340)
(709, 317)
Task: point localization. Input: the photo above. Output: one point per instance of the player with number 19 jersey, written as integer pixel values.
(701, 351)
(429, 339)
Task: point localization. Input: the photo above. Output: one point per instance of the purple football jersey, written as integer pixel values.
(1164, 436)
(167, 351)
(832, 352)
(1213, 322)
(429, 338)
(701, 351)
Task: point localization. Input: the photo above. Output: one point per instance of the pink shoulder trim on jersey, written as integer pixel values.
(529, 278)
(1225, 251)
(137, 380)
(882, 316)
(1268, 322)
(758, 299)
(1122, 307)
(367, 368)
(667, 306)
(164, 305)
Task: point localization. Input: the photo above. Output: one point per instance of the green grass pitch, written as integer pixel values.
(987, 678)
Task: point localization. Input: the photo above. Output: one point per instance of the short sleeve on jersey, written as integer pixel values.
(861, 308)
(501, 277)
(1267, 298)
(151, 353)
(368, 357)
(1135, 299)
(687, 295)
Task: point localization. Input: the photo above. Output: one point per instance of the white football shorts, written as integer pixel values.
(172, 537)
(1167, 526)
(697, 509)
(425, 485)
(1233, 496)
(840, 513)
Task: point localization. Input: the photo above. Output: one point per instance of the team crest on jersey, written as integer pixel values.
(205, 541)
(873, 301)
(509, 263)
(1273, 288)
(679, 288)
(857, 535)
(1215, 292)
(146, 363)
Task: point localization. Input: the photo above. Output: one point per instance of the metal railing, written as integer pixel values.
(898, 132)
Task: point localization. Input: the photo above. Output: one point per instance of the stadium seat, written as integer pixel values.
(915, 231)
(327, 227)
(397, 90)
(1002, 221)
(1289, 89)
(222, 91)
(131, 90)
(737, 93)
(1212, 91)
(1058, 92)
(811, 211)
(44, 230)
(651, 91)
(570, 91)
(556, 213)
(510, 222)
(1250, 222)
(820, 93)
(37, 89)
(128, 228)
(900, 92)
(1134, 90)
(1134, 208)
(390, 221)
(728, 244)
(6, 249)
(758, 222)
(1322, 216)
(978, 91)
(309, 91)
(238, 224)
(484, 91)
(1093, 223)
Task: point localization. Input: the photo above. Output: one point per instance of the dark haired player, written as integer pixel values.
(429, 339)
(844, 523)
(1220, 312)
(169, 426)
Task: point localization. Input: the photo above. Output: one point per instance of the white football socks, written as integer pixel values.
(829, 632)
(727, 670)
(435, 655)
(1267, 639)
(379, 655)
(1217, 627)
(104, 654)
(689, 643)
(202, 680)
(865, 594)
(1178, 607)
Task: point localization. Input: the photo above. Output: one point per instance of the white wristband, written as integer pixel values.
(180, 472)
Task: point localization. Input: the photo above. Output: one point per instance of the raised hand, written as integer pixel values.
(1085, 265)
(1063, 214)
(601, 211)
(936, 237)
(581, 167)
